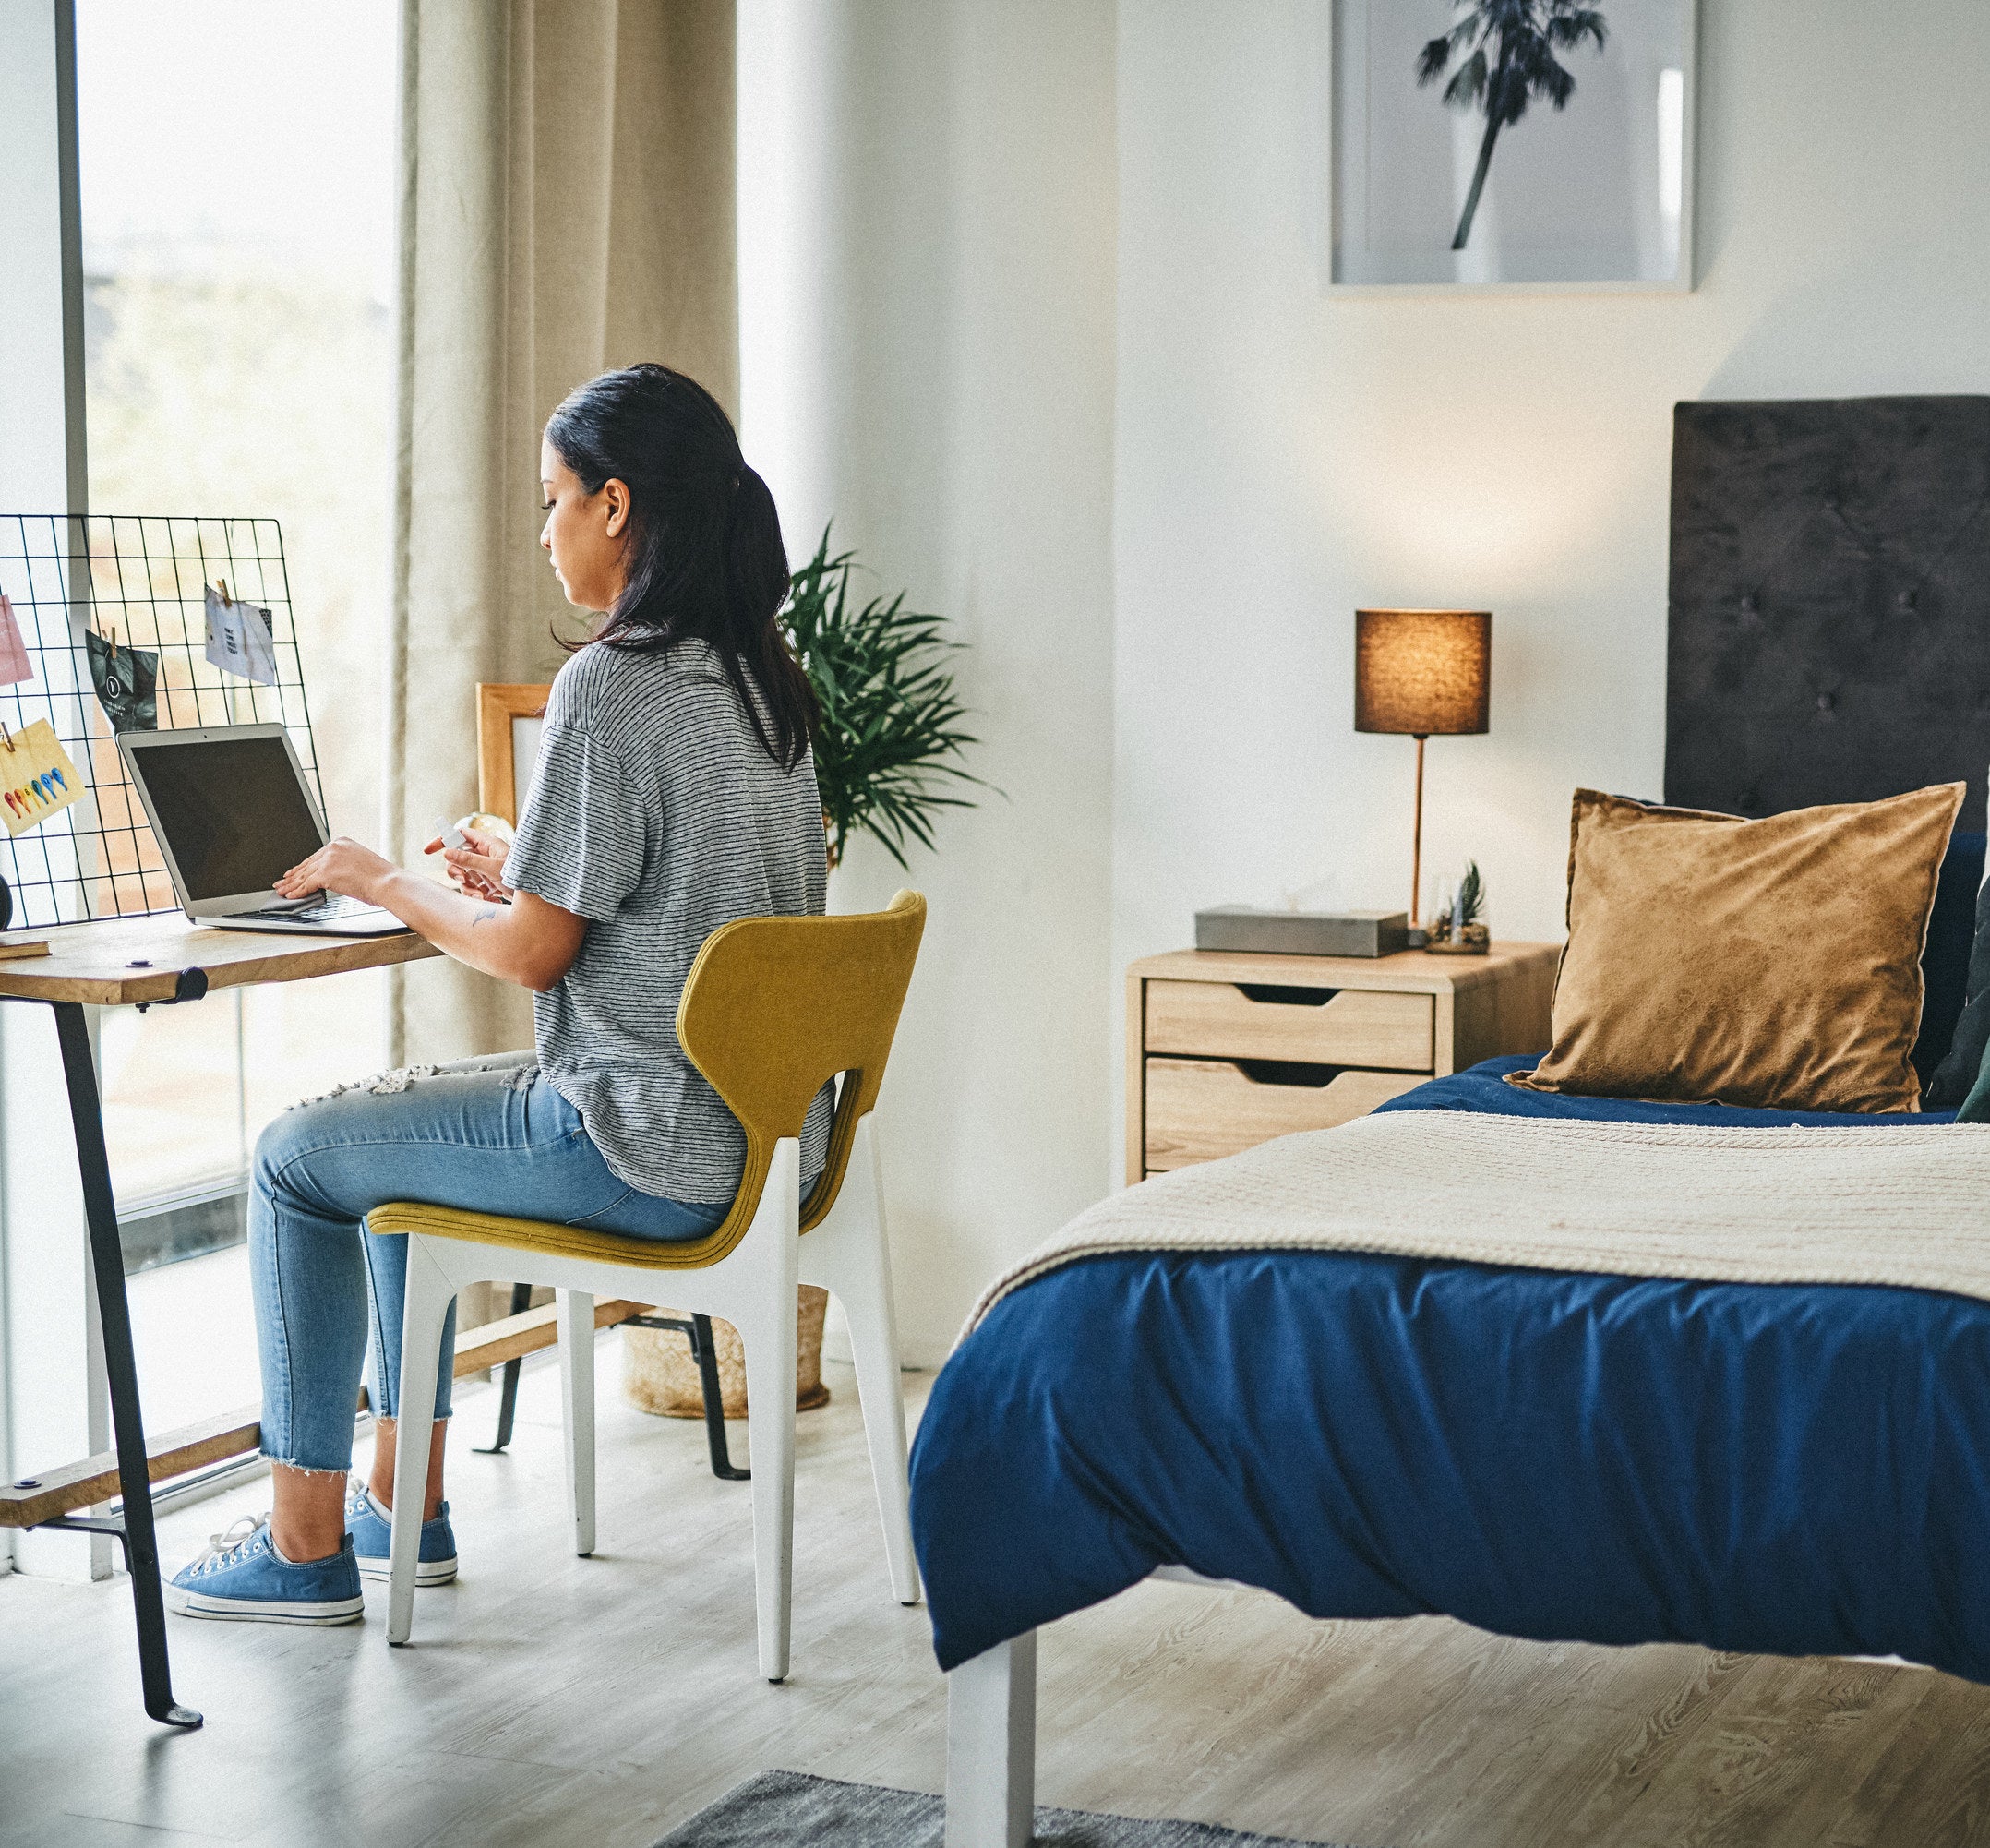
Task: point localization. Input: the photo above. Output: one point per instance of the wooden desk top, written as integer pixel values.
(93, 962)
(1415, 970)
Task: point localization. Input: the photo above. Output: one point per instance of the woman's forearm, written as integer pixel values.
(527, 942)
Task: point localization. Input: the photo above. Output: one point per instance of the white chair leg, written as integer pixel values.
(991, 1746)
(769, 1338)
(576, 1318)
(856, 1267)
(426, 1308)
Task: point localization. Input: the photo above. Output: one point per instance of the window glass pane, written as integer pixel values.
(238, 234)
(238, 244)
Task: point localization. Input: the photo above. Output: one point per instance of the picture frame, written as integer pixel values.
(511, 716)
(1422, 192)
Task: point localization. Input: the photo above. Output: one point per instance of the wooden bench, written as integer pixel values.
(71, 1487)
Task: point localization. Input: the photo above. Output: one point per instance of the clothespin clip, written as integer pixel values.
(221, 584)
(5, 736)
(113, 641)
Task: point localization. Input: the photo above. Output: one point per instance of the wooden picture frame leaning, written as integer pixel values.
(505, 709)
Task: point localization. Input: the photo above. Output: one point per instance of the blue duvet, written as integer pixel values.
(1794, 1469)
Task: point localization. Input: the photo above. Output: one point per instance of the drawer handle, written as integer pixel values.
(1285, 997)
(1289, 1074)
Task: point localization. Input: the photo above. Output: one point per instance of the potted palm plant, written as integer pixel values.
(887, 758)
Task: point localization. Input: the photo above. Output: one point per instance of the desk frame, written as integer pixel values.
(146, 961)
(134, 1529)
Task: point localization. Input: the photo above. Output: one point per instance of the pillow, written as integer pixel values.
(1958, 931)
(1774, 964)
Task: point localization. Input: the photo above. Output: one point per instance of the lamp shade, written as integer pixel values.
(1427, 672)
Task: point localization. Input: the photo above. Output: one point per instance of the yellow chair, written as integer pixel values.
(772, 1009)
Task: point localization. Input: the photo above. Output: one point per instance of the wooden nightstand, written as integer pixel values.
(1226, 1051)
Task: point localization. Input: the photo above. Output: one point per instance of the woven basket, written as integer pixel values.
(659, 1374)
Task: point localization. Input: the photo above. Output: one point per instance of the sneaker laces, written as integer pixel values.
(222, 1547)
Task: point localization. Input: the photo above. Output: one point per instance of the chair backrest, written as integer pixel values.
(775, 1007)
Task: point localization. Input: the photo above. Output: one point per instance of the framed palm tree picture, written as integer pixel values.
(1509, 144)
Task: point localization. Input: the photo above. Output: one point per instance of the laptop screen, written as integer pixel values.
(232, 811)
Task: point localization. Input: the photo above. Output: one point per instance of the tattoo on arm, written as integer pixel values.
(485, 913)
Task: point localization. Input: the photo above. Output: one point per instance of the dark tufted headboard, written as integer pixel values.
(1829, 639)
(1830, 603)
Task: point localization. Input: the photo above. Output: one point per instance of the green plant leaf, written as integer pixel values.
(888, 756)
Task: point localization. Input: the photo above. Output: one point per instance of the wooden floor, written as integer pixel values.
(552, 1700)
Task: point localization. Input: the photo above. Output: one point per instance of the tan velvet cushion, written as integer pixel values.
(1773, 962)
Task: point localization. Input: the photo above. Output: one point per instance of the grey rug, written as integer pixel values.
(786, 1806)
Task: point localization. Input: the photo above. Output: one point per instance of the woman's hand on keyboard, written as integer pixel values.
(344, 866)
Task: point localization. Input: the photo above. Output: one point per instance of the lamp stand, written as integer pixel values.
(1416, 838)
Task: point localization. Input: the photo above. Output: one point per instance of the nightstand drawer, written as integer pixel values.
(1198, 1110)
(1321, 1026)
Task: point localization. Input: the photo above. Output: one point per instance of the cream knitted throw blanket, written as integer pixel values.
(1906, 1206)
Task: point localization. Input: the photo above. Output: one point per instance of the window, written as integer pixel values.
(238, 239)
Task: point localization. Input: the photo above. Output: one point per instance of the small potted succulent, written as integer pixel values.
(1460, 929)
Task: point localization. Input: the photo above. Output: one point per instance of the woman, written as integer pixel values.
(675, 792)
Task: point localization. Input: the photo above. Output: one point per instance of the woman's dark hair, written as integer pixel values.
(705, 557)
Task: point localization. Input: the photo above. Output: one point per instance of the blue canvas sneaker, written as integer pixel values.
(242, 1575)
(369, 1525)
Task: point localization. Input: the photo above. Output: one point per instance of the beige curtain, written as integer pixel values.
(567, 206)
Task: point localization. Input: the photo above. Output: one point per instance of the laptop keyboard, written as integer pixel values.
(333, 904)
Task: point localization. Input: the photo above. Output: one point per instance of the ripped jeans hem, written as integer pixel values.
(344, 1468)
(305, 1468)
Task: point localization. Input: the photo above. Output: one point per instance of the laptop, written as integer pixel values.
(233, 814)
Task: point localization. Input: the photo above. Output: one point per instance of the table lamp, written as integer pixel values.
(1423, 672)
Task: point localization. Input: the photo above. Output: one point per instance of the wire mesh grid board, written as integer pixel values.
(134, 583)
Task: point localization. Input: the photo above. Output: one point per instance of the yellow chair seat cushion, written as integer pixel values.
(544, 1235)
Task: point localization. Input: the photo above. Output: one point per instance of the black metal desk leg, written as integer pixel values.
(508, 1394)
(107, 1259)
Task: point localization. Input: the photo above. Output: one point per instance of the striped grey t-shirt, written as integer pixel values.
(656, 814)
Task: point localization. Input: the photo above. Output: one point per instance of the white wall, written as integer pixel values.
(941, 349)
(1283, 456)
(927, 228)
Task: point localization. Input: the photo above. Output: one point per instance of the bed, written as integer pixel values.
(1798, 1467)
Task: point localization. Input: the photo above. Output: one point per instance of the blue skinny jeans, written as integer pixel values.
(488, 1135)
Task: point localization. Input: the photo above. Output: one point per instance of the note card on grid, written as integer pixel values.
(241, 637)
(37, 779)
(13, 663)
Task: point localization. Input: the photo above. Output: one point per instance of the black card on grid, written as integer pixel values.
(127, 683)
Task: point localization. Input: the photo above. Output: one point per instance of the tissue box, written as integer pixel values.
(1303, 933)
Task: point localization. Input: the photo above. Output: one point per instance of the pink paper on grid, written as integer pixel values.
(13, 663)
